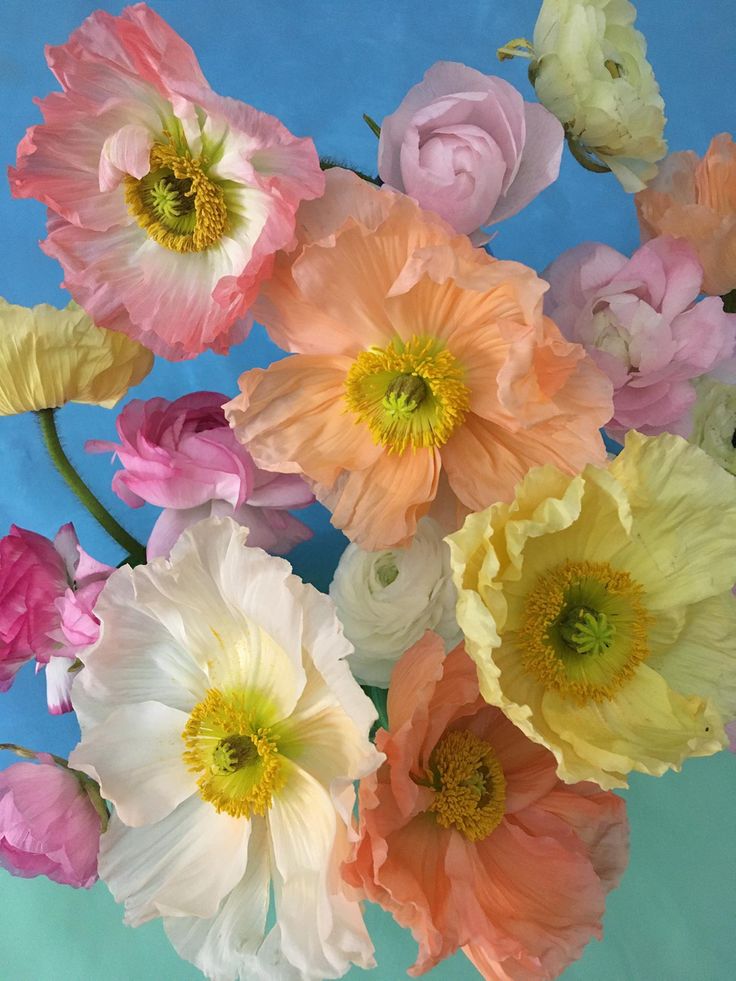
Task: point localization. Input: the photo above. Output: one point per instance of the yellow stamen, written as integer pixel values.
(584, 630)
(469, 783)
(176, 203)
(409, 393)
(238, 762)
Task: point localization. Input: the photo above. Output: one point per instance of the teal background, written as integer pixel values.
(318, 64)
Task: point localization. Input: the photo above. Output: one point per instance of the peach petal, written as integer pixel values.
(292, 418)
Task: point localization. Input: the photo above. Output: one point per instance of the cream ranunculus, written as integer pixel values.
(589, 68)
(599, 612)
(387, 600)
(714, 421)
(221, 720)
(49, 357)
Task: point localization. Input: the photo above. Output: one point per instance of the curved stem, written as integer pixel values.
(29, 754)
(95, 507)
(326, 163)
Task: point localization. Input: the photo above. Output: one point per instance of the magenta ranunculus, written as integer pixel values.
(47, 594)
(639, 320)
(167, 201)
(48, 824)
(182, 456)
(466, 146)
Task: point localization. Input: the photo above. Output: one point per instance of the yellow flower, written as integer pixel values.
(599, 612)
(49, 357)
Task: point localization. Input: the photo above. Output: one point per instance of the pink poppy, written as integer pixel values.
(166, 201)
(469, 839)
(182, 456)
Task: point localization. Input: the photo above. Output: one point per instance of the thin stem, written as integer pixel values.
(29, 754)
(327, 163)
(95, 507)
(372, 125)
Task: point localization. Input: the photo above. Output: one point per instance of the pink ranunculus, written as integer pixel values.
(639, 320)
(468, 838)
(48, 824)
(167, 201)
(466, 146)
(182, 456)
(47, 594)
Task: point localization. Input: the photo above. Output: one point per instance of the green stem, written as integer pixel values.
(95, 507)
(327, 163)
(729, 301)
(29, 754)
(584, 159)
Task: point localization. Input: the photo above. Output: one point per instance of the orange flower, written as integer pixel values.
(417, 355)
(696, 200)
(468, 838)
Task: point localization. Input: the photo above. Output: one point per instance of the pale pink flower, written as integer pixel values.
(182, 456)
(48, 824)
(466, 146)
(47, 595)
(639, 320)
(167, 200)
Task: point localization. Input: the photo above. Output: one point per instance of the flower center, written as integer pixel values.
(584, 630)
(470, 788)
(386, 570)
(238, 762)
(176, 203)
(409, 393)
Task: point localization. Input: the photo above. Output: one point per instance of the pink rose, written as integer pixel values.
(47, 594)
(48, 824)
(466, 146)
(638, 320)
(182, 456)
(167, 202)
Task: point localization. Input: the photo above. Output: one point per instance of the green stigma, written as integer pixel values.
(588, 632)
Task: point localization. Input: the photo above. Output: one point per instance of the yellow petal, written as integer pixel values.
(49, 357)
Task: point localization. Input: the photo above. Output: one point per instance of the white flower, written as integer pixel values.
(714, 421)
(219, 717)
(387, 600)
(590, 70)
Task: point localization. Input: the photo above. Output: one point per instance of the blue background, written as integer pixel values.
(318, 64)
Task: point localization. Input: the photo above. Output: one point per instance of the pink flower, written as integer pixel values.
(47, 594)
(182, 456)
(48, 824)
(466, 146)
(167, 200)
(638, 320)
(469, 839)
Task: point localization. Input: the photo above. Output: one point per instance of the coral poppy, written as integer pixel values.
(468, 837)
(419, 358)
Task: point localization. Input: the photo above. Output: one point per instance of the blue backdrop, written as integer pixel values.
(319, 64)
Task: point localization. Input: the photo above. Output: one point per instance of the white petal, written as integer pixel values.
(136, 658)
(136, 757)
(184, 865)
(59, 683)
(220, 946)
(302, 822)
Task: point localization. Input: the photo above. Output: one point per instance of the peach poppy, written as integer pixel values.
(468, 838)
(696, 199)
(421, 365)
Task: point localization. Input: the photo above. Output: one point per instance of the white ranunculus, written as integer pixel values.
(714, 421)
(590, 69)
(221, 720)
(387, 600)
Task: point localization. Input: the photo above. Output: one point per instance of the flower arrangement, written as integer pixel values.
(534, 472)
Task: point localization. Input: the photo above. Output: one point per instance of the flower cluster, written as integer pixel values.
(519, 620)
